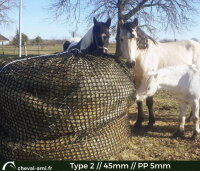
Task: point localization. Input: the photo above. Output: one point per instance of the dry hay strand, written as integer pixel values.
(61, 99)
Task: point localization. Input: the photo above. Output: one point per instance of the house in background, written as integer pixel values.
(3, 40)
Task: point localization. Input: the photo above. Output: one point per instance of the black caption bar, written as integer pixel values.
(100, 165)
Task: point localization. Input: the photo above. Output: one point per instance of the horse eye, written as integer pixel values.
(105, 37)
(132, 36)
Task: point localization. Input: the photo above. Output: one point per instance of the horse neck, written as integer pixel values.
(144, 52)
(93, 46)
(146, 59)
(87, 40)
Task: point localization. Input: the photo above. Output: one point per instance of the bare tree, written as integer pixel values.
(162, 14)
(165, 14)
(69, 8)
(5, 7)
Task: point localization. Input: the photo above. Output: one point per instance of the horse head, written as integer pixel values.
(128, 40)
(101, 35)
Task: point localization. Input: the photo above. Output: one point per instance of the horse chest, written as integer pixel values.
(142, 66)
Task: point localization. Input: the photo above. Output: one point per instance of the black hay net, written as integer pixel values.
(64, 107)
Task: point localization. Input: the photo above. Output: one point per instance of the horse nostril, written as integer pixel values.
(130, 64)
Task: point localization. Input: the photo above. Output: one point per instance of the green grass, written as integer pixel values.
(112, 48)
(41, 50)
(32, 50)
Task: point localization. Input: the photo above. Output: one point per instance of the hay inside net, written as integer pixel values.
(64, 107)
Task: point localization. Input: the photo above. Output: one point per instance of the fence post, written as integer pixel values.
(38, 49)
(25, 50)
(2, 49)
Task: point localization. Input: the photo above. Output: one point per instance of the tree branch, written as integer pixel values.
(135, 10)
(5, 6)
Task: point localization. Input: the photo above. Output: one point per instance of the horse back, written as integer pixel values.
(167, 54)
(178, 53)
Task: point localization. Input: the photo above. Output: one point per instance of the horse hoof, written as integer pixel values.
(178, 134)
(194, 136)
(150, 126)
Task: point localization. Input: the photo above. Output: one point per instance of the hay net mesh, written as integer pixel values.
(56, 107)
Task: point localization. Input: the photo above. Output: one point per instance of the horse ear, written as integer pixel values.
(95, 21)
(108, 22)
(135, 22)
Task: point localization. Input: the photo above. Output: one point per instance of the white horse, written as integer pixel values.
(184, 82)
(148, 55)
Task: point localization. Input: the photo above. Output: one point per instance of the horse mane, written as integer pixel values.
(87, 39)
(142, 39)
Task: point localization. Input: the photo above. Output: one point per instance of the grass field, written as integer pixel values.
(41, 50)
(156, 144)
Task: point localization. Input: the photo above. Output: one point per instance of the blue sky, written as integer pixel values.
(37, 22)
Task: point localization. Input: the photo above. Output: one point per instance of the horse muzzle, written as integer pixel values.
(130, 64)
(103, 50)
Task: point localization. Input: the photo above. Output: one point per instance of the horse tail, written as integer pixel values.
(66, 45)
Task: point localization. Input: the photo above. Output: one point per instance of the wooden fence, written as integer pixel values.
(31, 49)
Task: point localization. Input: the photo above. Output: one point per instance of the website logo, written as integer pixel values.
(9, 164)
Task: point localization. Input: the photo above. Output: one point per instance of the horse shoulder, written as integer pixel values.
(195, 47)
(145, 63)
(195, 74)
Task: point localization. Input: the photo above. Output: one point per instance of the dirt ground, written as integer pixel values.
(158, 143)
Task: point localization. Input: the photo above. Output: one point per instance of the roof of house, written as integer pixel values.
(2, 38)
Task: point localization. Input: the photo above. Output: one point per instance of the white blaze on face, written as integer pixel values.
(105, 49)
(103, 35)
(128, 44)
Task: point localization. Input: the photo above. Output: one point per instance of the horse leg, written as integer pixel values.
(149, 103)
(140, 117)
(189, 118)
(195, 111)
(180, 131)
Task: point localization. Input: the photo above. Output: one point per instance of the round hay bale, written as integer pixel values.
(50, 105)
(98, 145)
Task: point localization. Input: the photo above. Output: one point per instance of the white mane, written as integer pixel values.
(87, 39)
(72, 44)
(74, 39)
